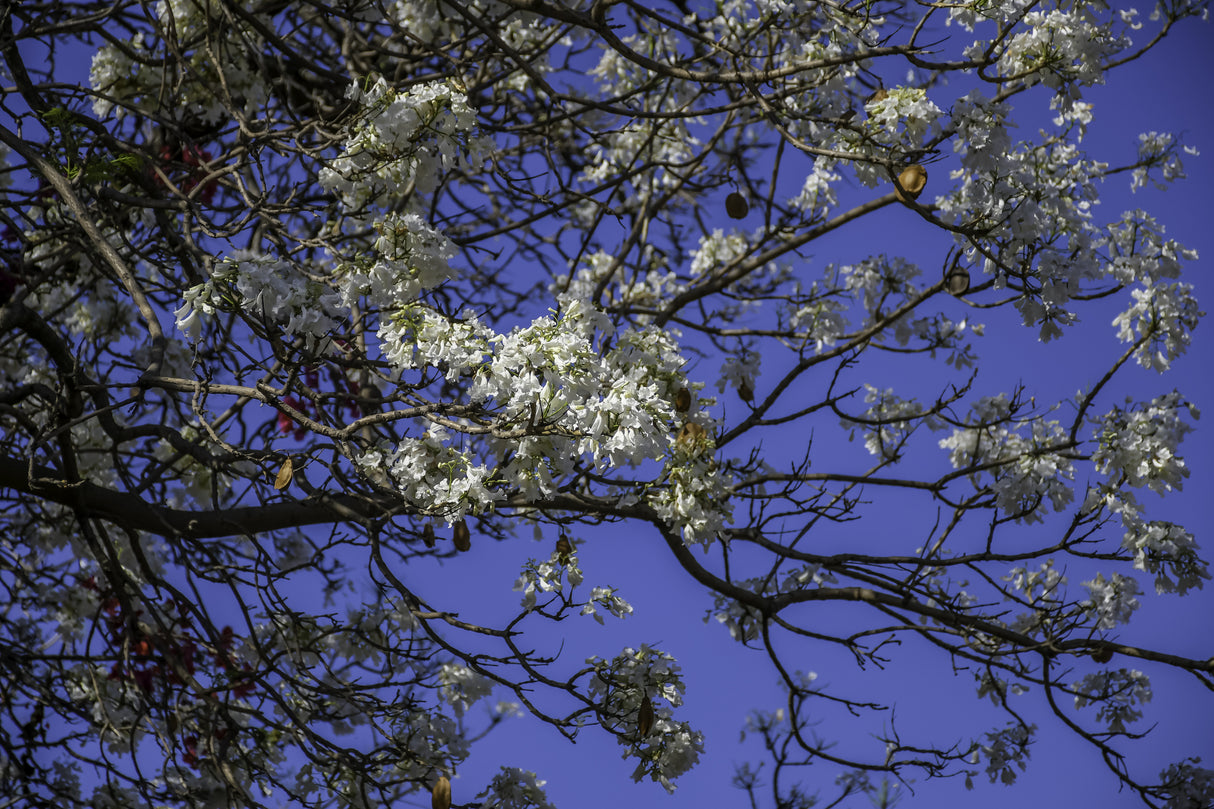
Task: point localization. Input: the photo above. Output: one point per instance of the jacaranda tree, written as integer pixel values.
(297, 294)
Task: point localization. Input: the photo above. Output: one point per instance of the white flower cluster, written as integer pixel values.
(274, 290)
(696, 497)
(428, 740)
(816, 195)
(545, 577)
(1059, 47)
(905, 110)
(1112, 601)
(461, 687)
(433, 475)
(1043, 590)
(621, 685)
(1118, 693)
(513, 788)
(650, 290)
(888, 421)
(1025, 471)
(1159, 150)
(1003, 749)
(1187, 785)
(403, 139)
(1138, 446)
(1164, 314)
(134, 73)
(410, 257)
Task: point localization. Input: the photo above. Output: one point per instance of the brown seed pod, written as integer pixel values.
(911, 182)
(1103, 655)
(682, 400)
(563, 548)
(878, 95)
(440, 796)
(736, 206)
(462, 536)
(645, 717)
(956, 279)
(428, 535)
(745, 392)
(283, 479)
(690, 433)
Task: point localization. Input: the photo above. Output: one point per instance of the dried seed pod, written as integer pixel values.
(736, 206)
(956, 279)
(283, 479)
(745, 392)
(428, 535)
(462, 536)
(645, 717)
(1103, 655)
(682, 400)
(440, 796)
(911, 182)
(690, 433)
(563, 548)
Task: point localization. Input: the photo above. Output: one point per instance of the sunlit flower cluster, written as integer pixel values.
(647, 675)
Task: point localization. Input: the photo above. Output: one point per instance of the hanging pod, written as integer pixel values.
(428, 535)
(736, 206)
(682, 400)
(563, 548)
(440, 796)
(645, 717)
(911, 182)
(956, 278)
(462, 536)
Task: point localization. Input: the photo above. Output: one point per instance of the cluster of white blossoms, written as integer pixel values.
(433, 475)
(1025, 470)
(637, 682)
(270, 289)
(403, 140)
(1111, 601)
(1118, 692)
(1138, 446)
(1159, 150)
(133, 74)
(461, 687)
(514, 788)
(1005, 751)
(409, 257)
(888, 421)
(545, 577)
